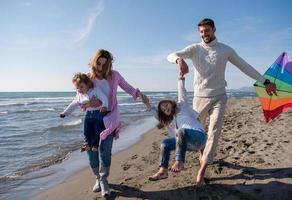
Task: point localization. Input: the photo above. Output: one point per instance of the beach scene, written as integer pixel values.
(47, 43)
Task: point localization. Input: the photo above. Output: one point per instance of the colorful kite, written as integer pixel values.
(279, 73)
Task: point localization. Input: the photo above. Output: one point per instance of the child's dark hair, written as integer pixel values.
(165, 120)
(82, 78)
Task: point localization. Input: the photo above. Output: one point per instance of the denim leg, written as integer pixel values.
(195, 139)
(181, 146)
(97, 128)
(167, 146)
(93, 159)
(105, 151)
(87, 129)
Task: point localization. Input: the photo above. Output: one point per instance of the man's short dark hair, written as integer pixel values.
(207, 21)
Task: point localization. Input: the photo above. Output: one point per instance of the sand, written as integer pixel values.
(253, 161)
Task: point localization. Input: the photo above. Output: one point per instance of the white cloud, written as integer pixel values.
(89, 22)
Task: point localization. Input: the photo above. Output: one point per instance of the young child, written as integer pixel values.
(85, 91)
(182, 123)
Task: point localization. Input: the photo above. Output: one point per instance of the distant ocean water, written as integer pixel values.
(33, 137)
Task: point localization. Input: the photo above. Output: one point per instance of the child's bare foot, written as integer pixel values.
(85, 147)
(94, 148)
(161, 174)
(177, 166)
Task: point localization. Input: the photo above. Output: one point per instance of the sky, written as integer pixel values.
(43, 43)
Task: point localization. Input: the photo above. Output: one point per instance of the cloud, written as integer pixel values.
(89, 22)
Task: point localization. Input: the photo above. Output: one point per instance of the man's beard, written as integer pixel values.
(208, 40)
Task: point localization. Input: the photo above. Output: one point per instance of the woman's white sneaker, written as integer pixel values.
(96, 187)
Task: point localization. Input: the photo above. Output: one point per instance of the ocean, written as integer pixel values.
(39, 149)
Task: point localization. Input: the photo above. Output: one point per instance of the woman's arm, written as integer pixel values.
(126, 86)
(94, 102)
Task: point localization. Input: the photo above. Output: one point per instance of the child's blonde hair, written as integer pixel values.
(79, 78)
(107, 68)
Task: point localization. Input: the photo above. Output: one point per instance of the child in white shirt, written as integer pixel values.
(85, 91)
(183, 126)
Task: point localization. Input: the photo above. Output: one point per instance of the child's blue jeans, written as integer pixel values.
(93, 125)
(190, 140)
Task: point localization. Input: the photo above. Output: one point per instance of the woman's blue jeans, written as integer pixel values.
(189, 140)
(103, 155)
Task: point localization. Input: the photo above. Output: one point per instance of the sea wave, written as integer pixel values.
(35, 110)
(54, 159)
(3, 112)
(17, 104)
(33, 101)
(130, 104)
(66, 125)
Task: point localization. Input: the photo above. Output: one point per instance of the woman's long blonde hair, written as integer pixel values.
(107, 68)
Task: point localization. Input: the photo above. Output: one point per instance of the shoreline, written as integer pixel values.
(87, 176)
(253, 161)
(73, 163)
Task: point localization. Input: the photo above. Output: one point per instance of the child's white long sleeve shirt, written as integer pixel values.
(84, 98)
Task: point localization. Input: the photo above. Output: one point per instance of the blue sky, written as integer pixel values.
(43, 43)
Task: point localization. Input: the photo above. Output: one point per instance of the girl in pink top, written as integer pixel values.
(108, 80)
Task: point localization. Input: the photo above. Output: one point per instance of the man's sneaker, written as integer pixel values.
(96, 187)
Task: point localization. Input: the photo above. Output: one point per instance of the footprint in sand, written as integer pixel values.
(126, 166)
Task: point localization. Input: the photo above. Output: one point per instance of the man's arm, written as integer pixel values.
(251, 72)
(179, 56)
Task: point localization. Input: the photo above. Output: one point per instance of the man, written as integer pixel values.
(209, 59)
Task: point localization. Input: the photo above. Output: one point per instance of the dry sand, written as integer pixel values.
(253, 161)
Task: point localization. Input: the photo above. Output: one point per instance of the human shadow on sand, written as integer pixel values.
(252, 172)
(271, 191)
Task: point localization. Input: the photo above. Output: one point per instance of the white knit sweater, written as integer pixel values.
(209, 60)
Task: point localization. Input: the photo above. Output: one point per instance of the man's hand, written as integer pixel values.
(271, 89)
(183, 67)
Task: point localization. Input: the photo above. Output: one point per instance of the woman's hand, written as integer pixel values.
(138, 93)
(146, 101)
(94, 102)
